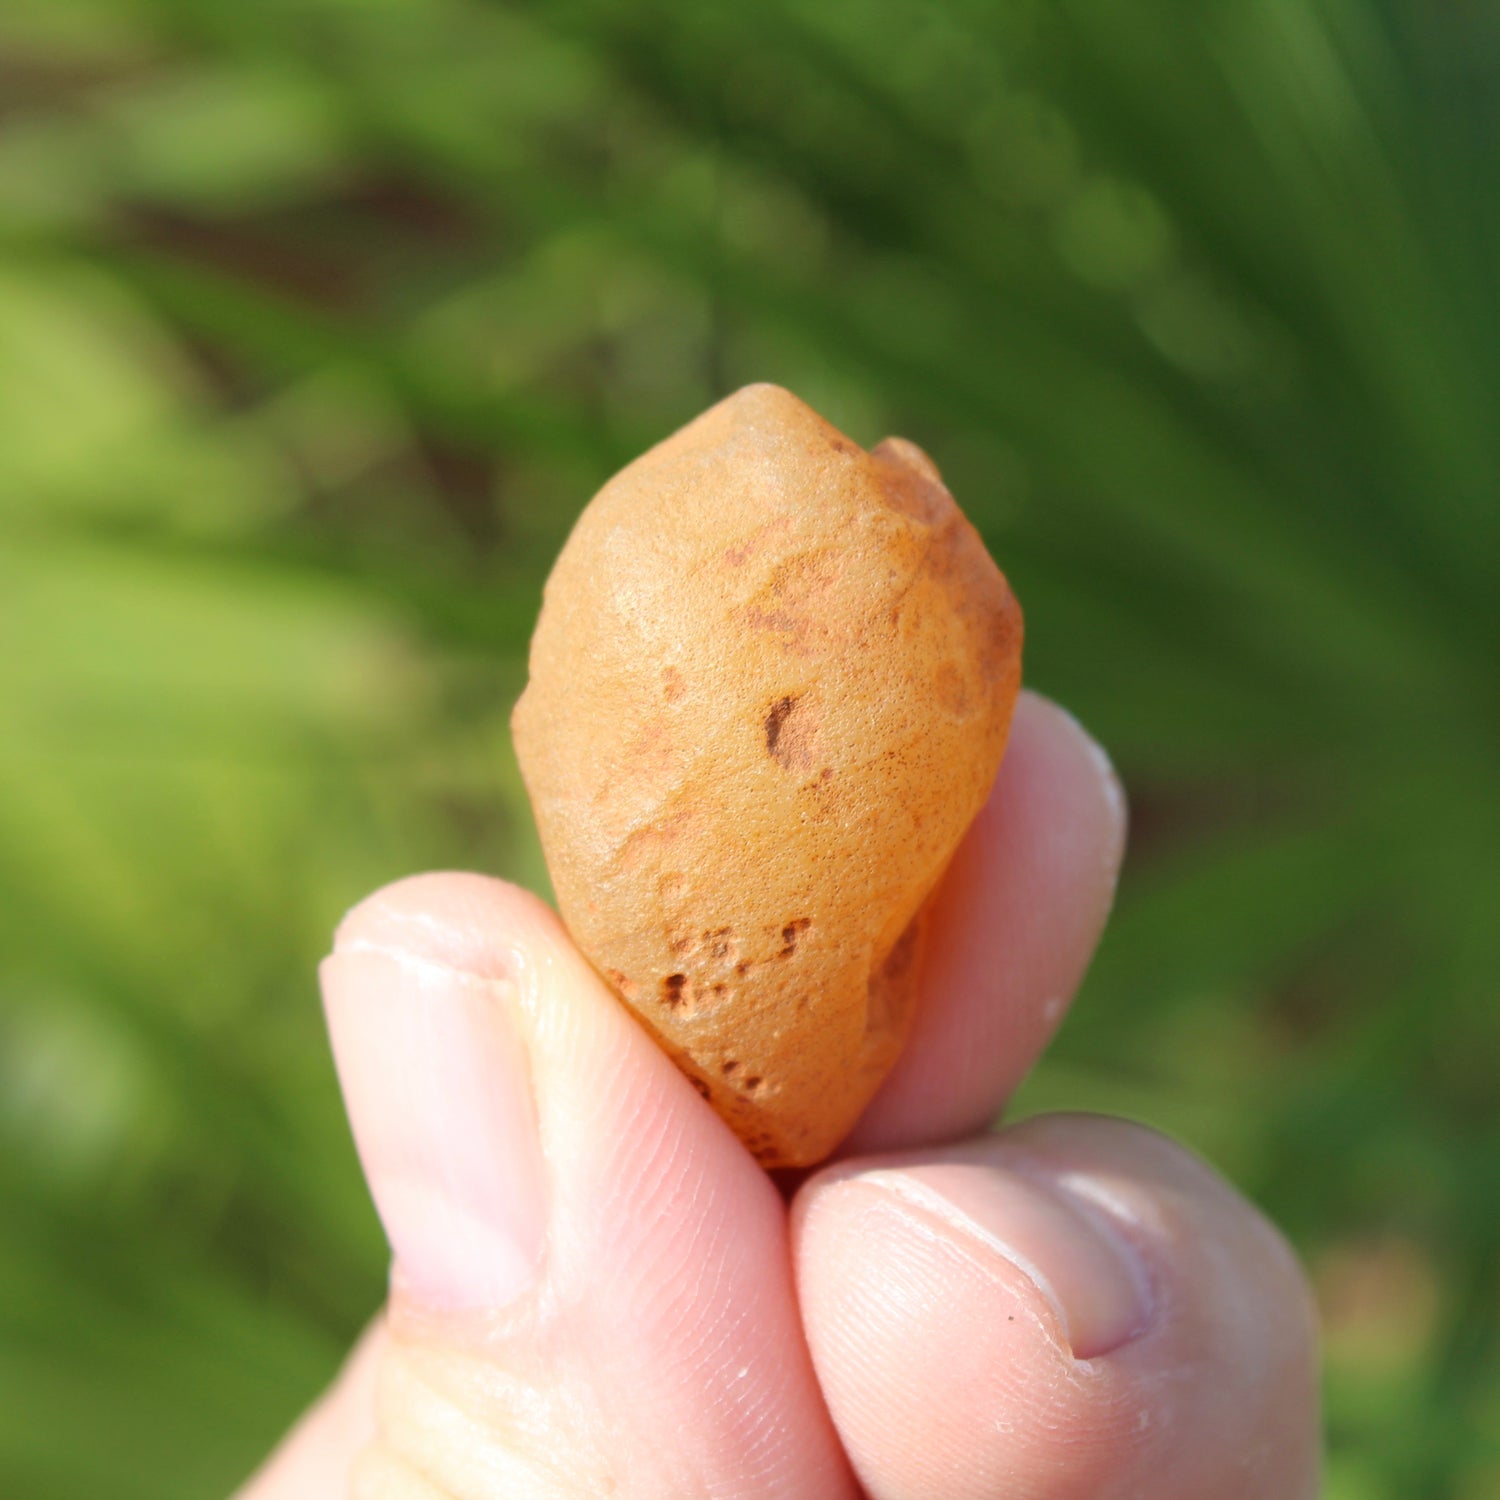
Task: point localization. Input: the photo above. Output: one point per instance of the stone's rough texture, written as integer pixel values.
(770, 688)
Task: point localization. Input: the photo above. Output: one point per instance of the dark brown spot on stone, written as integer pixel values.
(889, 983)
(775, 723)
(791, 733)
(721, 945)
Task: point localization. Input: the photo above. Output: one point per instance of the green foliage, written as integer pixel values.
(320, 319)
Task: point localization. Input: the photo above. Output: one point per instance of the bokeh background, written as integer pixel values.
(321, 319)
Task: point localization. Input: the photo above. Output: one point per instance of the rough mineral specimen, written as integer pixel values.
(770, 688)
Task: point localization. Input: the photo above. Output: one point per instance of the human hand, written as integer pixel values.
(597, 1292)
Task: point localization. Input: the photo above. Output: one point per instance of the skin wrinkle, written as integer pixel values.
(711, 1335)
(674, 1304)
(420, 1467)
(754, 1462)
(430, 1424)
(639, 1191)
(758, 1462)
(652, 1308)
(698, 1366)
(648, 1171)
(380, 1474)
(680, 1311)
(761, 1426)
(662, 1185)
(619, 1112)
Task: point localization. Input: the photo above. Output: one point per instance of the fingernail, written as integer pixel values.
(438, 1090)
(1081, 1263)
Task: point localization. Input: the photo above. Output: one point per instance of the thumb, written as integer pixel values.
(591, 1290)
(314, 1459)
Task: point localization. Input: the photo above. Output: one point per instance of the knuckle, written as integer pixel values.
(456, 1427)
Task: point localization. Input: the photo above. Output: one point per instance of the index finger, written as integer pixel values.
(1010, 933)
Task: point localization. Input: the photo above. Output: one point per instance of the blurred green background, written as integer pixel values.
(321, 319)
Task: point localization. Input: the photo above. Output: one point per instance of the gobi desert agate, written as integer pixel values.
(770, 688)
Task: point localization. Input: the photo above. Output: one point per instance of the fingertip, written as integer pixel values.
(462, 920)
(926, 1349)
(1073, 1307)
(1010, 932)
(1055, 749)
(430, 1042)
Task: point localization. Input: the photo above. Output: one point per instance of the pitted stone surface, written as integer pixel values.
(770, 688)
